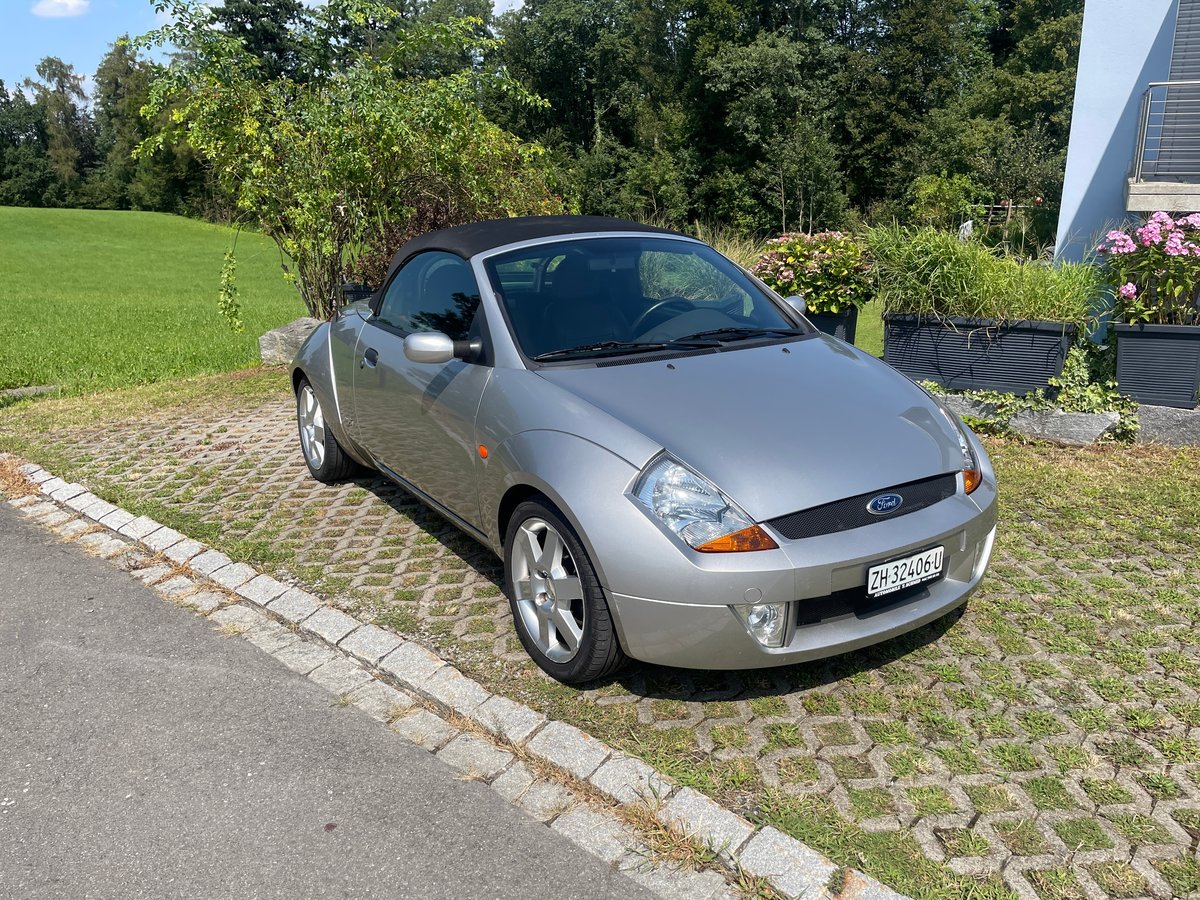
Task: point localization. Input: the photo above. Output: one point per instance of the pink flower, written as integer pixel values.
(1128, 290)
(1174, 245)
(1192, 221)
(1161, 218)
(1119, 243)
(1150, 233)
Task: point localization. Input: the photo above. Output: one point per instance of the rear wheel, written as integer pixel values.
(326, 459)
(558, 606)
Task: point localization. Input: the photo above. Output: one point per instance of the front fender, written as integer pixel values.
(585, 481)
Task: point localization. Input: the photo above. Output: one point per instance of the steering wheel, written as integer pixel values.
(678, 302)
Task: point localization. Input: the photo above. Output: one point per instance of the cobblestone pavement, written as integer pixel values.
(1047, 739)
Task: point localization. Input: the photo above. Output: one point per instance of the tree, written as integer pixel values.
(263, 27)
(335, 165)
(68, 128)
(27, 177)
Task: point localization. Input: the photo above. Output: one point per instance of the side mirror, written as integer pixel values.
(435, 348)
(797, 303)
(429, 347)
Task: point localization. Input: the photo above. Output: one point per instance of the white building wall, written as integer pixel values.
(1126, 44)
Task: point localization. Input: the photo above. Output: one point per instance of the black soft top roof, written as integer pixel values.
(467, 240)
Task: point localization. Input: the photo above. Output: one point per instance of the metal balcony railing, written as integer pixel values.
(1168, 140)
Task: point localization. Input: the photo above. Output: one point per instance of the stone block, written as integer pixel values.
(1071, 428)
(279, 346)
(98, 509)
(185, 551)
(474, 756)
(261, 589)
(232, 576)
(176, 587)
(304, 656)
(789, 866)
(370, 643)
(205, 602)
(330, 624)
(117, 519)
(628, 780)
(207, 562)
(412, 664)
(66, 492)
(546, 799)
(453, 689)
(340, 675)
(699, 818)
(160, 540)
(80, 502)
(1166, 425)
(139, 527)
(424, 729)
(514, 722)
(511, 783)
(570, 749)
(600, 834)
(294, 605)
(380, 701)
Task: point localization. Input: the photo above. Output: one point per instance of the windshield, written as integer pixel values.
(603, 296)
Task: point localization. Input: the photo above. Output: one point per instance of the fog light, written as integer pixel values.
(765, 621)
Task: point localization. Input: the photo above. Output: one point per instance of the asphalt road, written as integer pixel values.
(144, 755)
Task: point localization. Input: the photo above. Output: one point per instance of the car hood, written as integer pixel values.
(781, 427)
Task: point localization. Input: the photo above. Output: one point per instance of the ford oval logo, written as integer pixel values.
(884, 504)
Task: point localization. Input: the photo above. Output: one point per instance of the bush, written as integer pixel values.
(934, 274)
(1156, 270)
(831, 270)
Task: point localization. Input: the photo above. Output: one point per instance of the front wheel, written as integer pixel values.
(326, 460)
(558, 607)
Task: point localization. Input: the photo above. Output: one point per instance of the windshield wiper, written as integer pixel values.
(733, 333)
(619, 347)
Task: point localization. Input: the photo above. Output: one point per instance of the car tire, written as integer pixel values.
(558, 606)
(326, 460)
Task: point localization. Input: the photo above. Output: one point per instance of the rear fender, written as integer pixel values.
(312, 361)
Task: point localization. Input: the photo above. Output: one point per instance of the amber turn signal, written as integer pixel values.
(752, 538)
(971, 479)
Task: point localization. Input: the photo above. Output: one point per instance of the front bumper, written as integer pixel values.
(690, 632)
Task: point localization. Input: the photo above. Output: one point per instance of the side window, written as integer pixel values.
(433, 292)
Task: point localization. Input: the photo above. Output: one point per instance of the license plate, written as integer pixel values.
(897, 574)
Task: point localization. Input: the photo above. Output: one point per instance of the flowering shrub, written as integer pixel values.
(1156, 270)
(830, 270)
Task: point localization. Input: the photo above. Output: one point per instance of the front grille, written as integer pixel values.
(842, 515)
(853, 601)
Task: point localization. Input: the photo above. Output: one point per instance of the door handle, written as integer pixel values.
(370, 358)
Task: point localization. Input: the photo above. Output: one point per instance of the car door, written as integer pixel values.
(418, 419)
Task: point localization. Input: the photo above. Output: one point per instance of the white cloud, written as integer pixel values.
(59, 9)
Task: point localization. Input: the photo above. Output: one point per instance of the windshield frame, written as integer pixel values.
(485, 265)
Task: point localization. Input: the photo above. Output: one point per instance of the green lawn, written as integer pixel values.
(94, 299)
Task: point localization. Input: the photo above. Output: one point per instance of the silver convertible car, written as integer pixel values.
(673, 464)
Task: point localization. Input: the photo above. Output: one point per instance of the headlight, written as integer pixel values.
(692, 507)
(972, 475)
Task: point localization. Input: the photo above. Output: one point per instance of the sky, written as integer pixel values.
(79, 32)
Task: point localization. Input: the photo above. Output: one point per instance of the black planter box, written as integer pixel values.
(840, 325)
(1159, 364)
(977, 354)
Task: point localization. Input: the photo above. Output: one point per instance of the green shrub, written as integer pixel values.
(934, 273)
(831, 270)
